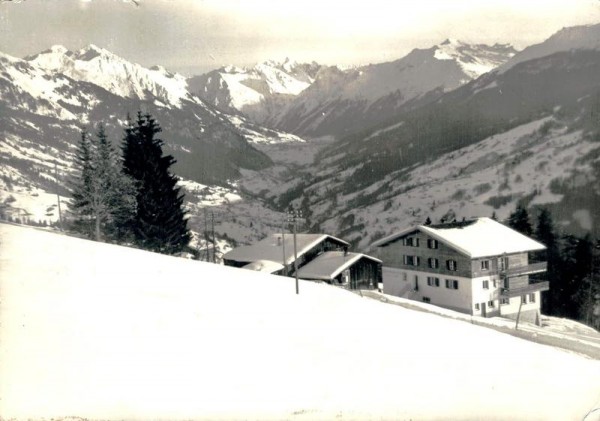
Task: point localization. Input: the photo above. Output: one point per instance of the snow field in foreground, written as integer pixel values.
(101, 331)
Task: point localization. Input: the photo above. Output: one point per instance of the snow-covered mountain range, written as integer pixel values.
(529, 133)
(313, 100)
(47, 98)
(455, 130)
(102, 68)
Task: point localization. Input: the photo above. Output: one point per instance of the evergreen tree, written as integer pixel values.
(583, 278)
(115, 192)
(102, 195)
(159, 223)
(81, 187)
(428, 221)
(519, 221)
(553, 300)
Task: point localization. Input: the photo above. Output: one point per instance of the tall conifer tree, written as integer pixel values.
(160, 223)
(519, 221)
(81, 187)
(103, 197)
(545, 233)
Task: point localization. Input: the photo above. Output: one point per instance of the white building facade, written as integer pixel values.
(478, 267)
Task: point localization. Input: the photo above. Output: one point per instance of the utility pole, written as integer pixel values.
(206, 240)
(519, 313)
(283, 247)
(293, 216)
(212, 215)
(60, 221)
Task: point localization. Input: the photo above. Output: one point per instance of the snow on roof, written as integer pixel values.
(477, 238)
(393, 237)
(270, 248)
(330, 264)
(265, 266)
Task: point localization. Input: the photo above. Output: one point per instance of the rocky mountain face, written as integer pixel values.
(255, 92)
(586, 37)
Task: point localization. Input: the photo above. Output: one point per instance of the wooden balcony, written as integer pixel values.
(524, 270)
(528, 289)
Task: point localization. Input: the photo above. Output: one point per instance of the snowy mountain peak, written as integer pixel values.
(92, 51)
(474, 60)
(234, 89)
(450, 41)
(57, 49)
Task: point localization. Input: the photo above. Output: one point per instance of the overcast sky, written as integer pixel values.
(193, 36)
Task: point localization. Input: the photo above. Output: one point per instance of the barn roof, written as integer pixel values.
(271, 248)
(330, 264)
(480, 237)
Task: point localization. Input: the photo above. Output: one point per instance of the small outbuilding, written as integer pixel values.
(279, 248)
(353, 270)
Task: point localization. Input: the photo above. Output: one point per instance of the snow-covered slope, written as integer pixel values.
(585, 37)
(151, 336)
(341, 102)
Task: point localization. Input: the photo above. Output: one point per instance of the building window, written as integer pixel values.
(432, 244)
(505, 301)
(502, 263)
(451, 264)
(494, 283)
(411, 242)
(451, 284)
(433, 282)
(433, 263)
(477, 306)
(404, 276)
(486, 284)
(411, 260)
(485, 265)
(490, 304)
(426, 299)
(524, 299)
(532, 297)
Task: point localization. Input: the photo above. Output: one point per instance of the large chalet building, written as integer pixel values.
(478, 267)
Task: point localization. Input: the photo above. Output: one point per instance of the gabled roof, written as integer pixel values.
(481, 237)
(271, 248)
(330, 264)
(266, 266)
